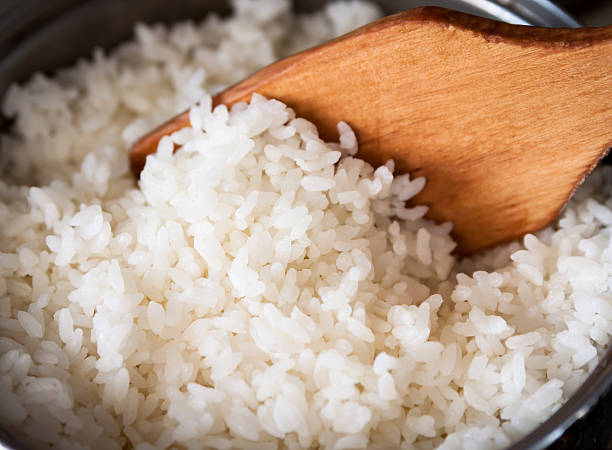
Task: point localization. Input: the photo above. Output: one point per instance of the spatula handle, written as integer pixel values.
(504, 121)
(567, 39)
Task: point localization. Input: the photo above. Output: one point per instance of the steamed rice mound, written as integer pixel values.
(262, 288)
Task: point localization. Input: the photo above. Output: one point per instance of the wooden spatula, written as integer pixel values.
(504, 121)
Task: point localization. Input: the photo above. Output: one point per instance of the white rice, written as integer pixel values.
(262, 288)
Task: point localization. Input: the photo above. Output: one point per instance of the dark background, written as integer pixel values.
(593, 431)
(589, 12)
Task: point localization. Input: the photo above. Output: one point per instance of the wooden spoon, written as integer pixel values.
(504, 121)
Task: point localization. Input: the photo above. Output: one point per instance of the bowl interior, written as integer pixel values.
(41, 36)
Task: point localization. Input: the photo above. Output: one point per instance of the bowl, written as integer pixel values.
(36, 35)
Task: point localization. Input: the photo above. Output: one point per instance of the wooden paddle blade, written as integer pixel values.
(504, 121)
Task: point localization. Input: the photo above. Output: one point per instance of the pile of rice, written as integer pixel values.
(262, 288)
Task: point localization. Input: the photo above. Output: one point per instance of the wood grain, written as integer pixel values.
(504, 121)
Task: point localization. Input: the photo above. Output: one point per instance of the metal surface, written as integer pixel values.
(541, 12)
(44, 35)
(524, 12)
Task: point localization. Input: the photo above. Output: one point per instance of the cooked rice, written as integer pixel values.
(262, 288)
